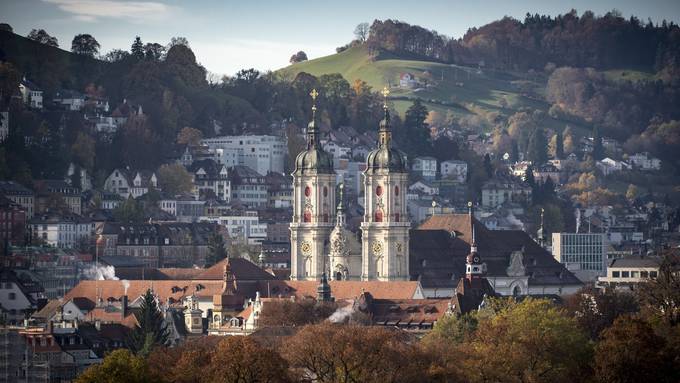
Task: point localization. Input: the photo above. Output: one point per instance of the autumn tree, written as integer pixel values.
(660, 296)
(150, 330)
(174, 179)
(189, 136)
(242, 359)
(528, 341)
(630, 351)
(128, 211)
(632, 192)
(596, 309)
(86, 45)
(42, 37)
(118, 366)
(348, 353)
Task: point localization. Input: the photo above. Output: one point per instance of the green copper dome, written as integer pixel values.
(314, 160)
(386, 157)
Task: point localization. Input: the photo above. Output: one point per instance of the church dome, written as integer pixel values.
(313, 161)
(386, 158)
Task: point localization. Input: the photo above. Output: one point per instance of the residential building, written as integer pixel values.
(69, 100)
(248, 186)
(261, 153)
(454, 170)
(66, 231)
(424, 187)
(48, 191)
(280, 189)
(543, 172)
(19, 194)
(189, 208)
(337, 150)
(425, 167)
(609, 166)
(242, 225)
(211, 179)
(128, 183)
(16, 297)
(497, 192)
(627, 272)
(644, 161)
(407, 80)
(31, 94)
(168, 205)
(584, 254)
(13, 220)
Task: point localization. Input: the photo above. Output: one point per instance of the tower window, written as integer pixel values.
(378, 216)
(378, 191)
(307, 216)
(396, 217)
(325, 217)
(325, 191)
(396, 190)
(308, 191)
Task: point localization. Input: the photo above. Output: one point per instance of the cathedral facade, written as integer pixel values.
(321, 243)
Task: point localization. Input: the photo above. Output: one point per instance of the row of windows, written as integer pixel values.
(634, 274)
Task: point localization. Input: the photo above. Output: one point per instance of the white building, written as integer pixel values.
(243, 226)
(69, 100)
(496, 193)
(424, 187)
(66, 231)
(584, 254)
(31, 94)
(629, 271)
(610, 166)
(14, 298)
(130, 183)
(261, 153)
(455, 170)
(425, 167)
(644, 161)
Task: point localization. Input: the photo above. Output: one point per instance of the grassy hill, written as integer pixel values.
(450, 88)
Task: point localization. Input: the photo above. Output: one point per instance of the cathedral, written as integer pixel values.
(321, 245)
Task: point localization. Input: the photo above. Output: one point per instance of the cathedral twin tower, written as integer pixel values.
(320, 242)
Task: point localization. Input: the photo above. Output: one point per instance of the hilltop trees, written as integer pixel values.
(137, 49)
(361, 32)
(298, 57)
(85, 44)
(43, 37)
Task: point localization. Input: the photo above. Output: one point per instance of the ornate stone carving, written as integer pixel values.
(516, 267)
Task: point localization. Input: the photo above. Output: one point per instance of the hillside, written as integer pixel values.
(446, 88)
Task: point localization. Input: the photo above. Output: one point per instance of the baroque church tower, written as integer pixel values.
(385, 228)
(313, 206)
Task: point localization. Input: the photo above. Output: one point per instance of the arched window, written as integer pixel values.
(325, 191)
(308, 191)
(396, 190)
(517, 291)
(378, 216)
(396, 217)
(378, 191)
(338, 276)
(307, 216)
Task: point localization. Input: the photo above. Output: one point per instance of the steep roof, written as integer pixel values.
(242, 269)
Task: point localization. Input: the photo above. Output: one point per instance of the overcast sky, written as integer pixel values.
(227, 36)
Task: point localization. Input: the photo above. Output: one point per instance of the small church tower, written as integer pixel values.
(193, 315)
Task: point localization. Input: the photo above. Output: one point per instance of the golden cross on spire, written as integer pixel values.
(314, 94)
(385, 92)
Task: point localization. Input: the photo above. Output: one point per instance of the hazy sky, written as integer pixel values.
(227, 35)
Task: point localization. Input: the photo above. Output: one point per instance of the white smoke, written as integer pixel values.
(515, 222)
(342, 315)
(578, 218)
(100, 273)
(126, 284)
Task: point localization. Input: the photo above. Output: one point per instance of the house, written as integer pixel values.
(4, 125)
(49, 190)
(248, 186)
(407, 80)
(280, 190)
(168, 204)
(19, 194)
(66, 231)
(263, 153)
(128, 183)
(211, 179)
(515, 263)
(31, 94)
(519, 169)
(110, 201)
(189, 209)
(424, 188)
(644, 161)
(69, 100)
(496, 192)
(454, 170)
(13, 219)
(609, 166)
(543, 172)
(626, 273)
(16, 297)
(426, 167)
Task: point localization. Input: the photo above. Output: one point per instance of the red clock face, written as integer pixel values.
(378, 191)
(308, 191)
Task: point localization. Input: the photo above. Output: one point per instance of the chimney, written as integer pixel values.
(98, 324)
(124, 306)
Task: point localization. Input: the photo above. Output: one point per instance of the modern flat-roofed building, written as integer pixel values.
(629, 271)
(261, 153)
(584, 254)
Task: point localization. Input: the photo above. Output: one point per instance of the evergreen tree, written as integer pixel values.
(150, 331)
(538, 147)
(559, 145)
(598, 150)
(488, 167)
(529, 176)
(137, 49)
(216, 249)
(416, 134)
(514, 152)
